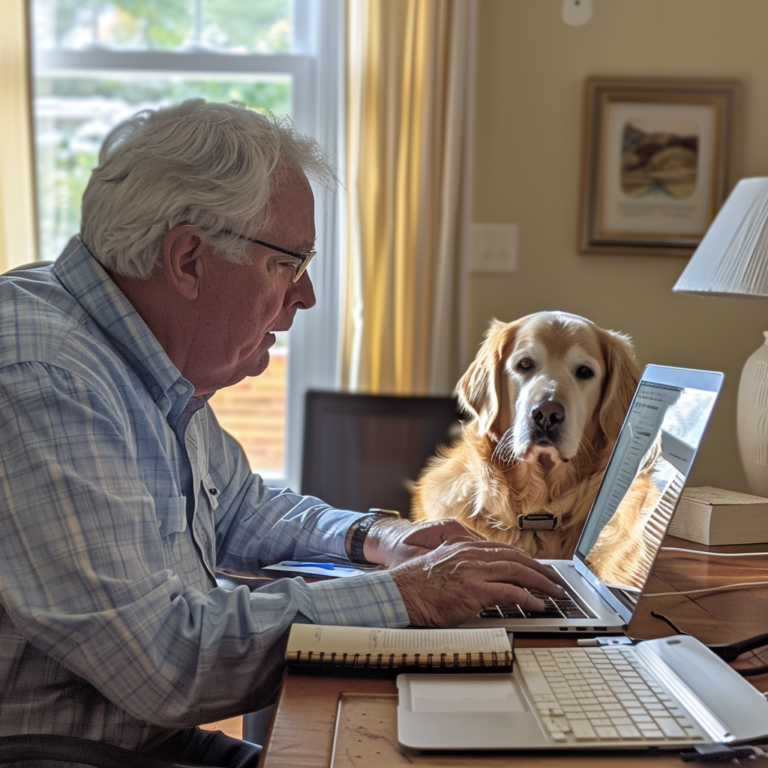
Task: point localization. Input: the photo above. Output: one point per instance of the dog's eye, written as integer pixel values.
(584, 372)
(524, 364)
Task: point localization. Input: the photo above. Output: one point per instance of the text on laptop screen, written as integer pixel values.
(643, 483)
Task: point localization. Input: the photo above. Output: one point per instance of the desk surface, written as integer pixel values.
(303, 726)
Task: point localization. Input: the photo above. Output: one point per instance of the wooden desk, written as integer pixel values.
(303, 726)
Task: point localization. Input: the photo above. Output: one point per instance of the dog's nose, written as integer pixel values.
(547, 414)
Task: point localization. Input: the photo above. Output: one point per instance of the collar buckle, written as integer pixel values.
(537, 521)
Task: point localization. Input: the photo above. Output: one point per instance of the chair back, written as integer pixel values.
(364, 451)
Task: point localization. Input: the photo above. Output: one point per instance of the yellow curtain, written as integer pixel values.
(18, 232)
(409, 108)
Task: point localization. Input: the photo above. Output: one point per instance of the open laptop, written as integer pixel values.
(671, 693)
(657, 444)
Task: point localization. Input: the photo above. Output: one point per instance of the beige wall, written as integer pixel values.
(530, 75)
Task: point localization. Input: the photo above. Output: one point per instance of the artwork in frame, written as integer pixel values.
(660, 157)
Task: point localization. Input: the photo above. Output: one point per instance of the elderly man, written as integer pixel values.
(121, 495)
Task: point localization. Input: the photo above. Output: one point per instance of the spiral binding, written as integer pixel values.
(478, 660)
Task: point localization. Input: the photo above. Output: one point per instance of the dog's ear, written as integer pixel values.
(480, 388)
(621, 377)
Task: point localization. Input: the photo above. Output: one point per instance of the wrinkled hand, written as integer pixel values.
(392, 542)
(454, 582)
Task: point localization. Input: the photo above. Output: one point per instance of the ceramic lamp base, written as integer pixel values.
(752, 419)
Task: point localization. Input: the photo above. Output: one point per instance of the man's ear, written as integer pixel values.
(182, 253)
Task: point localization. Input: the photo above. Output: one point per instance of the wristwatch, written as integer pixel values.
(360, 530)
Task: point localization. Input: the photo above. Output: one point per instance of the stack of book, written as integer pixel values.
(714, 516)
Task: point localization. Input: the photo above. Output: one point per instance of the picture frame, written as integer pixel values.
(660, 156)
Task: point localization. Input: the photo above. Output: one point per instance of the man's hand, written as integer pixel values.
(454, 582)
(392, 542)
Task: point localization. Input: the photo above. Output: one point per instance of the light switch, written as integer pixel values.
(494, 248)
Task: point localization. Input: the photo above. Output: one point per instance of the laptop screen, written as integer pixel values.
(645, 476)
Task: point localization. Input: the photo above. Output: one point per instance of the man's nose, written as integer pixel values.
(302, 294)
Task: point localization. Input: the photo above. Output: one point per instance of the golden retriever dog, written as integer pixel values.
(545, 399)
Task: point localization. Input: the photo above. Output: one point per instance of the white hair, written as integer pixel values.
(212, 165)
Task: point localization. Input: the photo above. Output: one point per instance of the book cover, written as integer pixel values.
(397, 650)
(715, 516)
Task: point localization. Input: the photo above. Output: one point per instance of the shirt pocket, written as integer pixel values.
(179, 552)
(171, 515)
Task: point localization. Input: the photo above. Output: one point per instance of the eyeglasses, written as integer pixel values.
(303, 258)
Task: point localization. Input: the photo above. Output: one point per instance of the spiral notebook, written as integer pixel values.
(321, 647)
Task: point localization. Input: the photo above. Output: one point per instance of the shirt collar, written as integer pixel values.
(107, 305)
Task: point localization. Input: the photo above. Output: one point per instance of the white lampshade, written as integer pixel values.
(732, 259)
(732, 262)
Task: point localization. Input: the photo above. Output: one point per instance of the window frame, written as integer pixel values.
(316, 70)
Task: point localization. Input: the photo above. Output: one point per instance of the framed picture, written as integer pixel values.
(660, 157)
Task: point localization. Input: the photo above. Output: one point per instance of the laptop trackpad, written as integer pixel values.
(465, 711)
(461, 693)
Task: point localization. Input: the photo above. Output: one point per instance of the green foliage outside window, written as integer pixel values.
(75, 111)
(75, 114)
(252, 26)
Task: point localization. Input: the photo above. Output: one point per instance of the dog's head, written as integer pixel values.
(548, 386)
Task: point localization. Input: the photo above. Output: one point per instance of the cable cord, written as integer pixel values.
(704, 590)
(715, 554)
(722, 753)
(729, 652)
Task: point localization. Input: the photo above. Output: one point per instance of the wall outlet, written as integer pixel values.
(494, 248)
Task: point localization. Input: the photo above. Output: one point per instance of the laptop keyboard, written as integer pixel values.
(554, 608)
(601, 695)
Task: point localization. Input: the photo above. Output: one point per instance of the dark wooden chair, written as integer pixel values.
(364, 451)
(34, 749)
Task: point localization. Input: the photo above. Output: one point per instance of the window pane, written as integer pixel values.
(254, 412)
(254, 27)
(73, 114)
(165, 25)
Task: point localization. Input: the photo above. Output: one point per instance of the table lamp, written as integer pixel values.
(732, 261)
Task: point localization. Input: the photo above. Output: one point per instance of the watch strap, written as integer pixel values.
(360, 531)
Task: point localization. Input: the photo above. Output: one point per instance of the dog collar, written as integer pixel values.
(537, 521)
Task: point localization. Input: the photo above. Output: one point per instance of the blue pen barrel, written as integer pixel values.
(297, 563)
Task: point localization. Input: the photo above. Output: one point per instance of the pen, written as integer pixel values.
(301, 564)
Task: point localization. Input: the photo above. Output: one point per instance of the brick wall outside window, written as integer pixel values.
(253, 411)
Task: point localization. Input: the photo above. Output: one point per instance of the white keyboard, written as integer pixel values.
(601, 694)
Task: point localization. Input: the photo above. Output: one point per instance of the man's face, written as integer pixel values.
(243, 305)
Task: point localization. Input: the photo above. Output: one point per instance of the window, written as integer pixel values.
(99, 61)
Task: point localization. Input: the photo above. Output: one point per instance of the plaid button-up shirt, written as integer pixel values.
(120, 497)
